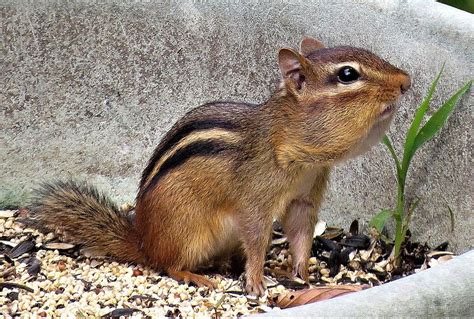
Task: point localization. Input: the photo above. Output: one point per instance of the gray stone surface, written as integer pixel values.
(87, 88)
(440, 292)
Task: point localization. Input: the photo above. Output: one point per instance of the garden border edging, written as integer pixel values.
(444, 291)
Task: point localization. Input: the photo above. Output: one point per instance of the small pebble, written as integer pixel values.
(137, 272)
(61, 265)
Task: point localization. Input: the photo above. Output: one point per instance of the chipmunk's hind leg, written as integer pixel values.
(190, 277)
(229, 262)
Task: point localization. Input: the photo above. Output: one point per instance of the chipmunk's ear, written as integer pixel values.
(309, 45)
(292, 66)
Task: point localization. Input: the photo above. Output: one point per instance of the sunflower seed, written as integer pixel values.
(319, 228)
(34, 266)
(121, 312)
(357, 241)
(354, 228)
(438, 253)
(58, 246)
(22, 248)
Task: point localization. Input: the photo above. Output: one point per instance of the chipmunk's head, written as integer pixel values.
(340, 100)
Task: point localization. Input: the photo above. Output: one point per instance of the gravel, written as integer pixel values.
(84, 287)
(42, 277)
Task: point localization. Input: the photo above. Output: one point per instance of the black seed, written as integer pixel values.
(34, 266)
(408, 234)
(121, 312)
(327, 243)
(442, 247)
(143, 297)
(13, 295)
(59, 291)
(362, 280)
(87, 285)
(22, 248)
(354, 228)
(291, 284)
(334, 262)
(357, 241)
(344, 256)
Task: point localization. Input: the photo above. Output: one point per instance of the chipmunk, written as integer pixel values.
(226, 170)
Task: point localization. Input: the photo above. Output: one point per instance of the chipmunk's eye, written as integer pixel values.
(347, 74)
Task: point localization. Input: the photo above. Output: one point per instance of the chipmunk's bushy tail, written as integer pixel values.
(84, 216)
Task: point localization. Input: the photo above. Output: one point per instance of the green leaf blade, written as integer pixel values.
(438, 119)
(415, 125)
(380, 219)
(386, 141)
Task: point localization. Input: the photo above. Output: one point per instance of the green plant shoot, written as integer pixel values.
(415, 138)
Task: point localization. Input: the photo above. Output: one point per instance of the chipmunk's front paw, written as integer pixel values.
(301, 270)
(254, 285)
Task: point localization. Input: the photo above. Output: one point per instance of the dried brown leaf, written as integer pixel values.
(444, 258)
(306, 296)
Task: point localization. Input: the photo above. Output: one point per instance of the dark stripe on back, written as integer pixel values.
(200, 148)
(182, 132)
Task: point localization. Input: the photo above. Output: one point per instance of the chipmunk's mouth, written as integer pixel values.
(388, 111)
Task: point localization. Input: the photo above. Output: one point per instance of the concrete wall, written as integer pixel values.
(87, 88)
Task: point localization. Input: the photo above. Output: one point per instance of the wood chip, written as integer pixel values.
(445, 258)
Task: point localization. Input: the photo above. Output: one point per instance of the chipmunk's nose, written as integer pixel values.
(405, 83)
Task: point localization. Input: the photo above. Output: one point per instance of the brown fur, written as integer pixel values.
(226, 170)
(86, 217)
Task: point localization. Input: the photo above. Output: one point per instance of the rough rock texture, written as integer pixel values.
(87, 88)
